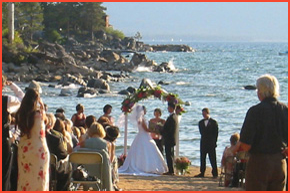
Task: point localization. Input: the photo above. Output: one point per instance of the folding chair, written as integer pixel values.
(242, 158)
(93, 162)
(53, 173)
(225, 174)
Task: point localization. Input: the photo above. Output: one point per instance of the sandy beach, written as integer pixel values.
(173, 183)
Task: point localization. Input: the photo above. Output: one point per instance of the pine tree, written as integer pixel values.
(92, 17)
(29, 17)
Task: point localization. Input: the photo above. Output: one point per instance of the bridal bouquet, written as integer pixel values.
(155, 127)
(121, 160)
(182, 164)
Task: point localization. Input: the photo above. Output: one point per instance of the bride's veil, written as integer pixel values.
(134, 117)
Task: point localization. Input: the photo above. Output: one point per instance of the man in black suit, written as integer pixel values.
(208, 129)
(168, 133)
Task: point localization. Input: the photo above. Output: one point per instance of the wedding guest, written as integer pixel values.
(79, 118)
(68, 128)
(265, 136)
(208, 129)
(60, 113)
(33, 153)
(95, 141)
(169, 134)
(76, 132)
(112, 133)
(96, 134)
(9, 105)
(88, 122)
(228, 159)
(104, 121)
(82, 130)
(106, 116)
(56, 147)
(157, 137)
(60, 127)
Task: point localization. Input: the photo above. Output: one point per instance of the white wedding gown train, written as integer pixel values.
(144, 157)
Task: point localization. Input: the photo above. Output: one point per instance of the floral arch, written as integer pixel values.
(149, 92)
(145, 93)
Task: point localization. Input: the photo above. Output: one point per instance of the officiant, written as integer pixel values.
(155, 125)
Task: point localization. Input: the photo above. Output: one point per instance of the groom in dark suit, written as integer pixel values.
(208, 129)
(168, 134)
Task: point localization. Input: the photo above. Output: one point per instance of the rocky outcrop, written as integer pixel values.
(98, 84)
(87, 91)
(172, 48)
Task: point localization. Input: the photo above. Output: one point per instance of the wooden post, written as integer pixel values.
(11, 22)
(126, 134)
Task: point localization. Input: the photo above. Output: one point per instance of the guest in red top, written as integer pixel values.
(79, 118)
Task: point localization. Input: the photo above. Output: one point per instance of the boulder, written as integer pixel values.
(124, 92)
(172, 48)
(98, 84)
(84, 91)
(130, 90)
(161, 82)
(65, 92)
(165, 67)
(250, 87)
(71, 79)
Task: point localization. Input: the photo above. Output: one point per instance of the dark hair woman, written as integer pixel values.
(106, 119)
(79, 118)
(33, 153)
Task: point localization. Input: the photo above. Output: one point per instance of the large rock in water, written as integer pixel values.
(68, 79)
(65, 92)
(87, 91)
(172, 48)
(98, 84)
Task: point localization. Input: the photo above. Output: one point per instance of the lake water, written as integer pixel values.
(211, 77)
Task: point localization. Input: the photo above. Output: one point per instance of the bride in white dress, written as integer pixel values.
(144, 157)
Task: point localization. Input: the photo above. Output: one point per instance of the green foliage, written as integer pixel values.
(4, 15)
(17, 38)
(115, 33)
(29, 17)
(138, 36)
(52, 35)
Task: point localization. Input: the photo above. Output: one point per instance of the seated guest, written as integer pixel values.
(56, 147)
(79, 118)
(68, 128)
(59, 113)
(112, 133)
(60, 127)
(104, 121)
(96, 133)
(76, 132)
(106, 116)
(82, 131)
(228, 159)
(96, 142)
(89, 121)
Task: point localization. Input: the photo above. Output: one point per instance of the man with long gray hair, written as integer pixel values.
(265, 135)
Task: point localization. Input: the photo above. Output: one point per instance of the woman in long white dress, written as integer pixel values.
(144, 157)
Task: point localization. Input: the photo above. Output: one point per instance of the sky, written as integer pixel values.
(201, 21)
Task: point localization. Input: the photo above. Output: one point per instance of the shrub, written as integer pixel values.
(115, 33)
